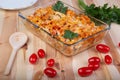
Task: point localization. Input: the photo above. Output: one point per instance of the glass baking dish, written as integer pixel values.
(65, 48)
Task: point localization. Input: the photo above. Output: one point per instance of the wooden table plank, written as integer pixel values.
(66, 67)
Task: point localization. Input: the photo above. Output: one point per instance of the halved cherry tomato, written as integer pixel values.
(50, 72)
(85, 71)
(33, 58)
(108, 59)
(102, 48)
(51, 62)
(94, 66)
(41, 53)
(94, 60)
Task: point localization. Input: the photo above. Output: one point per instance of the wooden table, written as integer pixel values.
(23, 70)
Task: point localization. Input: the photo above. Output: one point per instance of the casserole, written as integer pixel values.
(70, 31)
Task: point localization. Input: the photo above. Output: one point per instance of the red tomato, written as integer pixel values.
(50, 62)
(85, 71)
(119, 44)
(108, 59)
(94, 60)
(33, 58)
(50, 72)
(102, 48)
(94, 66)
(41, 53)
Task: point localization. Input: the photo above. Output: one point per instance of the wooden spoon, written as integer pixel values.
(17, 40)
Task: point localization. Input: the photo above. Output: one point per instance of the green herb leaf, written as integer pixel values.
(106, 14)
(82, 5)
(64, 9)
(59, 6)
(69, 34)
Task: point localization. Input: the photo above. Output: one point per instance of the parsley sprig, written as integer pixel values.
(106, 14)
(69, 34)
(59, 6)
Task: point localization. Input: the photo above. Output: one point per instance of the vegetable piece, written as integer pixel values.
(102, 48)
(41, 53)
(104, 13)
(50, 72)
(108, 59)
(51, 62)
(94, 66)
(59, 6)
(33, 58)
(69, 34)
(85, 71)
(119, 44)
(94, 60)
(64, 10)
(82, 4)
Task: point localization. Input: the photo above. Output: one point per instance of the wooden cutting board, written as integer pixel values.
(66, 67)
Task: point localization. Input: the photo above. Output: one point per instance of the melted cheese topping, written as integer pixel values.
(56, 23)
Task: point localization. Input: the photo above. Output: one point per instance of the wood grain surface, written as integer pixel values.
(66, 67)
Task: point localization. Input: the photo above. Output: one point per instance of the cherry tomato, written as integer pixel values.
(102, 48)
(119, 44)
(94, 60)
(50, 72)
(85, 71)
(108, 59)
(33, 58)
(94, 66)
(50, 62)
(41, 53)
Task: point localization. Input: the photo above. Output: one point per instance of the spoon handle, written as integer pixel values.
(10, 62)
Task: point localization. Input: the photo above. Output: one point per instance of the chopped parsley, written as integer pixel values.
(69, 34)
(59, 6)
